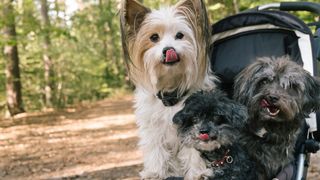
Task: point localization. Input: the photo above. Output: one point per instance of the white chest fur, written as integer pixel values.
(158, 137)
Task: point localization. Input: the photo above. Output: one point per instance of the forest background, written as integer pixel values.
(58, 53)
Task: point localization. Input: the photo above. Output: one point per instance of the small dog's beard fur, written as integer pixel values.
(279, 94)
(165, 51)
(220, 120)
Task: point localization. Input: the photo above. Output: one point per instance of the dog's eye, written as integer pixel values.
(219, 121)
(179, 35)
(264, 81)
(194, 120)
(294, 87)
(154, 38)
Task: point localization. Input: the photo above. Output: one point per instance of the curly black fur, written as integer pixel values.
(279, 94)
(222, 119)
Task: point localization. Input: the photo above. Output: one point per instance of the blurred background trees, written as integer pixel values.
(56, 53)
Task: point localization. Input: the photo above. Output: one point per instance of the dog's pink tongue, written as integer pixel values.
(171, 56)
(264, 103)
(204, 137)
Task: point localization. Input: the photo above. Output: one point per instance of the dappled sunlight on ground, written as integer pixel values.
(92, 142)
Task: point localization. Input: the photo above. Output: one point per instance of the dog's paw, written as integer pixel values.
(149, 176)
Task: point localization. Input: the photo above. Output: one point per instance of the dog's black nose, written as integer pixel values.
(165, 49)
(204, 131)
(169, 56)
(273, 98)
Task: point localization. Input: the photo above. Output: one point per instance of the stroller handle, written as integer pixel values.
(293, 6)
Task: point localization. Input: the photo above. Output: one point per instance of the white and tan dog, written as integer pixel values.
(166, 54)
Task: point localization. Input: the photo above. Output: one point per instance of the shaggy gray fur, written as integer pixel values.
(222, 119)
(279, 94)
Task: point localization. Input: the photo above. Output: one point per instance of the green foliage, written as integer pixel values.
(85, 49)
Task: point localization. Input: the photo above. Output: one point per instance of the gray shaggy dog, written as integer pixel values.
(279, 95)
(211, 123)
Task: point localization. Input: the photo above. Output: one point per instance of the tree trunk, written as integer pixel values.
(102, 31)
(235, 6)
(47, 61)
(13, 83)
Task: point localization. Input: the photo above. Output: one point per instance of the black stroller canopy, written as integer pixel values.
(278, 18)
(239, 40)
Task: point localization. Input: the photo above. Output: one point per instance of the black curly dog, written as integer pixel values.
(279, 95)
(212, 123)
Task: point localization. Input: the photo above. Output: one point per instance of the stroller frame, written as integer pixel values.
(309, 144)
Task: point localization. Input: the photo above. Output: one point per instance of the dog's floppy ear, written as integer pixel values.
(243, 85)
(232, 111)
(190, 107)
(180, 117)
(312, 94)
(244, 82)
(239, 116)
(236, 113)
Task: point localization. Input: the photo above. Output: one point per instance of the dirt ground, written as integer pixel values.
(95, 141)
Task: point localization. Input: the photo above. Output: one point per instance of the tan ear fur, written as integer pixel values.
(132, 14)
(199, 9)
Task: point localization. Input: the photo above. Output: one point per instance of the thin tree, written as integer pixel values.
(12, 71)
(47, 61)
(235, 5)
(102, 30)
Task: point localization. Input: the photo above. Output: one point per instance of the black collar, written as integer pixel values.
(170, 98)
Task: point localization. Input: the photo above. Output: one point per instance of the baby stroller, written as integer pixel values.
(267, 30)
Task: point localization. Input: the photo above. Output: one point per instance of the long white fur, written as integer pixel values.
(163, 154)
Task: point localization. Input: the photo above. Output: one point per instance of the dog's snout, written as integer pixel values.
(204, 131)
(169, 56)
(273, 98)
